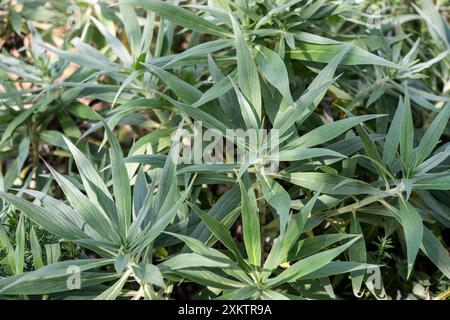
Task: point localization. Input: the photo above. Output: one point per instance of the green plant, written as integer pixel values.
(120, 230)
(354, 115)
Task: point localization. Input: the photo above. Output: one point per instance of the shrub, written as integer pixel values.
(258, 149)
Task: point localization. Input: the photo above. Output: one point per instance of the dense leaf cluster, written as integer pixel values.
(96, 204)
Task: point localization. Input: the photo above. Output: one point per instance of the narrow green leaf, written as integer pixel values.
(393, 136)
(250, 224)
(247, 73)
(219, 231)
(328, 131)
(52, 222)
(330, 184)
(300, 153)
(357, 253)
(19, 253)
(132, 28)
(278, 198)
(115, 290)
(309, 246)
(180, 16)
(413, 230)
(434, 250)
(274, 70)
(36, 249)
(51, 278)
(308, 265)
(121, 182)
(116, 45)
(407, 133)
(149, 274)
(95, 217)
(326, 53)
(432, 135)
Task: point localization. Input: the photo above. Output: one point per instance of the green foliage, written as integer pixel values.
(98, 204)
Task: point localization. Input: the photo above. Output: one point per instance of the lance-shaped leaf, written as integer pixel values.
(274, 70)
(56, 277)
(300, 153)
(328, 131)
(407, 133)
(198, 247)
(278, 198)
(221, 233)
(434, 183)
(325, 53)
(282, 245)
(250, 224)
(116, 45)
(357, 253)
(36, 250)
(93, 184)
(247, 73)
(306, 104)
(330, 184)
(413, 230)
(432, 135)
(132, 29)
(180, 16)
(53, 222)
(121, 182)
(393, 136)
(434, 250)
(308, 265)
